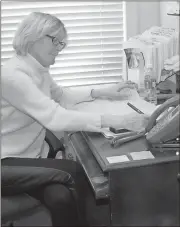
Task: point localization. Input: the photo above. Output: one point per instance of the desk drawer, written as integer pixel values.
(77, 150)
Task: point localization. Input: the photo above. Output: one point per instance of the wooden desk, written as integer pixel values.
(140, 193)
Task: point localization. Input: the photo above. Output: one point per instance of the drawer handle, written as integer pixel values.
(70, 156)
(178, 177)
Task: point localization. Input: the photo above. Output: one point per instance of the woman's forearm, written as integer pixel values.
(112, 120)
(96, 93)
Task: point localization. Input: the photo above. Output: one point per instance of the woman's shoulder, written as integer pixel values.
(13, 65)
(10, 63)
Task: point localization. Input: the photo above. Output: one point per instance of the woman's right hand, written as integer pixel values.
(134, 121)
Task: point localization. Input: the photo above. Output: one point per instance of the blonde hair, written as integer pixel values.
(35, 26)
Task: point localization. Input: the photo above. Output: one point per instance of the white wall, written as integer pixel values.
(166, 20)
(141, 15)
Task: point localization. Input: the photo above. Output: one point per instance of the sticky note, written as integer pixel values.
(116, 159)
(141, 155)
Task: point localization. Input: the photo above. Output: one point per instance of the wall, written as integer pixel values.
(141, 15)
(166, 20)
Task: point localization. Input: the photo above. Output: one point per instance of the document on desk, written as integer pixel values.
(119, 107)
(142, 155)
(117, 159)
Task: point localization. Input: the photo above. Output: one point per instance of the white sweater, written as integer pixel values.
(31, 102)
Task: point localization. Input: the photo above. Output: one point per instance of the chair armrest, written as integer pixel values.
(54, 143)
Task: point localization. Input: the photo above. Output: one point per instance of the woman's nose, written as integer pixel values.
(60, 47)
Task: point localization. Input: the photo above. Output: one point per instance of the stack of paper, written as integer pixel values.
(120, 106)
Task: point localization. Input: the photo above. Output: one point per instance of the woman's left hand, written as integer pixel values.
(122, 85)
(113, 91)
(117, 90)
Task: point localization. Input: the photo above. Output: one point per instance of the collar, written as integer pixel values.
(30, 60)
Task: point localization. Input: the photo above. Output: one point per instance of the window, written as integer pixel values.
(95, 34)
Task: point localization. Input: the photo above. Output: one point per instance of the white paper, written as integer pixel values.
(120, 107)
(144, 106)
(141, 155)
(117, 159)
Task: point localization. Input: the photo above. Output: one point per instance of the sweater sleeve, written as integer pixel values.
(20, 91)
(67, 97)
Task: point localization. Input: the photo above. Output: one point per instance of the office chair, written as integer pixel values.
(22, 209)
(55, 144)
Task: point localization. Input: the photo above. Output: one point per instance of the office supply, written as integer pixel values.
(123, 135)
(116, 159)
(111, 135)
(165, 96)
(119, 107)
(141, 155)
(135, 62)
(170, 145)
(169, 82)
(117, 131)
(146, 107)
(123, 140)
(173, 14)
(167, 127)
(134, 108)
(150, 85)
(152, 47)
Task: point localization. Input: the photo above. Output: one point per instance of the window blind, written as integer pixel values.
(95, 34)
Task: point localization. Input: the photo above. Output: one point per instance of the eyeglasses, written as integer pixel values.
(56, 42)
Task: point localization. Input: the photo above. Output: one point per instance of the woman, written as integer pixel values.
(32, 102)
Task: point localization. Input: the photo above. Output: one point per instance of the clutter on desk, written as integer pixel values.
(169, 85)
(117, 159)
(151, 58)
(163, 127)
(119, 141)
(157, 44)
(170, 76)
(115, 136)
(172, 64)
(142, 155)
(162, 130)
(119, 107)
(118, 130)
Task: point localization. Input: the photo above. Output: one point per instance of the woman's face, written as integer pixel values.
(46, 49)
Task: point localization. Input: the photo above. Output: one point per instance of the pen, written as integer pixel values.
(134, 108)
